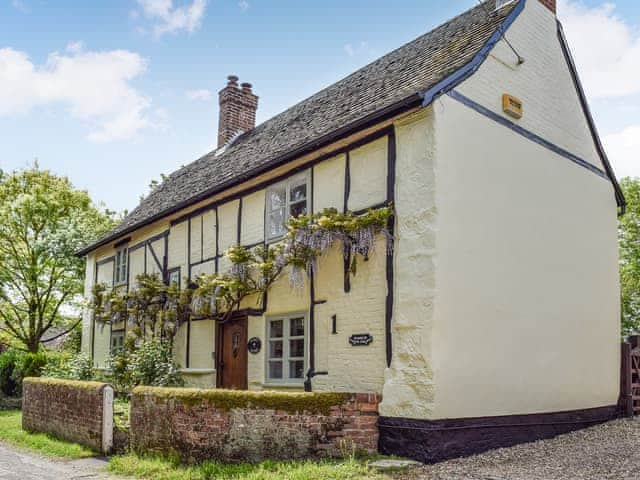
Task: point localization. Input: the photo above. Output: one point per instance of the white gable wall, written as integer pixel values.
(543, 83)
(527, 302)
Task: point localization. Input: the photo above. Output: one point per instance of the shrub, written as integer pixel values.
(77, 367)
(152, 364)
(8, 385)
(28, 365)
(118, 373)
(15, 366)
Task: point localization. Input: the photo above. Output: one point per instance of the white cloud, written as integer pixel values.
(94, 86)
(354, 49)
(623, 148)
(201, 94)
(172, 19)
(606, 48)
(244, 5)
(20, 5)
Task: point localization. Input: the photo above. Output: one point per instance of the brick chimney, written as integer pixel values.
(550, 4)
(238, 107)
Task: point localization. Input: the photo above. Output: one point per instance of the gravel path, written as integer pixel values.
(603, 452)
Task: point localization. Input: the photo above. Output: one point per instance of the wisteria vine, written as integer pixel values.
(157, 309)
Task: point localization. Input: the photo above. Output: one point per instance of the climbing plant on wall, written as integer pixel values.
(156, 310)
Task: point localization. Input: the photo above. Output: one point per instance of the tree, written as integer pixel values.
(43, 221)
(629, 243)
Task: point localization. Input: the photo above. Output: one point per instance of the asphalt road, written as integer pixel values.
(19, 465)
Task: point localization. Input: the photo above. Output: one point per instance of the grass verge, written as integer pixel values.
(168, 469)
(11, 432)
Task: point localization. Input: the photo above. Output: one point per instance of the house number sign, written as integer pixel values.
(360, 339)
(254, 345)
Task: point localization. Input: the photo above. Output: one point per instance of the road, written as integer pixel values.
(18, 465)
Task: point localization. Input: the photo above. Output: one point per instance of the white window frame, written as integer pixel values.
(174, 277)
(116, 334)
(288, 185)
(286, 358)
(121, 266)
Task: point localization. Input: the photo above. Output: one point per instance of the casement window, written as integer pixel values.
(120, 272)
(117, 341)
(174, 277)
(286, 349)
(286, 199)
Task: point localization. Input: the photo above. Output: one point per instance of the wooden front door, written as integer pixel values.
(232, 354)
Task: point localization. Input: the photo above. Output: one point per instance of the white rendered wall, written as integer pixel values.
(527, 302)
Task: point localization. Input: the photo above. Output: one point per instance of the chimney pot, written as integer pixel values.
(237, 110)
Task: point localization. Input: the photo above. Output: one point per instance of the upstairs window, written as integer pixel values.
(120, 272)
(117, 341)
(286, 349)
(286, 199)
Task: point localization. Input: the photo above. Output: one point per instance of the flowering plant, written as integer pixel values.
(155, 309)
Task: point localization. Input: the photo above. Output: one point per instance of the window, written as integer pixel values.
(174, 277)
(117, 340)
(289, 198)
(286, 349)
(120, 273)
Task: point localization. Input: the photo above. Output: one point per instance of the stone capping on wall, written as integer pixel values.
(251, 426)
(80, 412)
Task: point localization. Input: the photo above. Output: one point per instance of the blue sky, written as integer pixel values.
(113, 93)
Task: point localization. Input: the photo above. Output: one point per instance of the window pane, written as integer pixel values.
(296, 348)
(298, 209)
(298, 193)
(296, 368)
(275, 349)
(296, 327)
(277, 198)
(275, 369)
(276, 223)
(276, 329)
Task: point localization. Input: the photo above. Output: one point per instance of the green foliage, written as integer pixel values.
(11, 432)
(76, 367)
(8, 385)
(152, 364)
(629, 243)
(44, 220)
(73, 342)
(118, 372)
(168, 468)
(16, 365)
(28, 365)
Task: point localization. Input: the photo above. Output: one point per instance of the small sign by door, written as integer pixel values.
(360, 339)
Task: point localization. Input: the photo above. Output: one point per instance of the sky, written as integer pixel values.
(113, 93)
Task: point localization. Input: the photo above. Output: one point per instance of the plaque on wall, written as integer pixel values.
(254, 344)
(360, 339)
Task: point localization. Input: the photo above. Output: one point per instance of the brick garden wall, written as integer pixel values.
(67, 409)
(251, 426)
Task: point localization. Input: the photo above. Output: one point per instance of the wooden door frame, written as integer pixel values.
(239, 315)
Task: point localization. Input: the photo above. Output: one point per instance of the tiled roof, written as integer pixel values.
(399, 76)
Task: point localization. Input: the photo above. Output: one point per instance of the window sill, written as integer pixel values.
(197, 371)
(283, 385)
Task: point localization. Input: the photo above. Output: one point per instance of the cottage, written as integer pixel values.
(494, 319)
